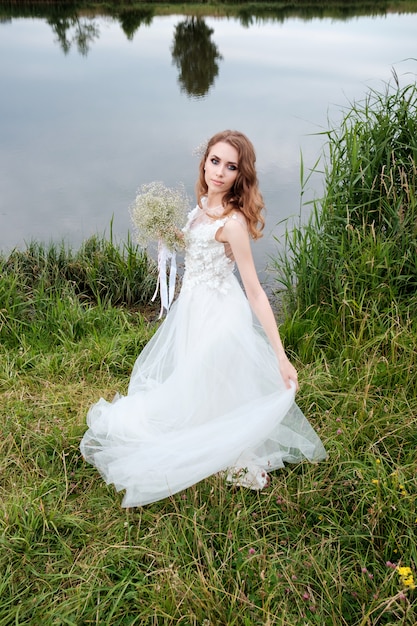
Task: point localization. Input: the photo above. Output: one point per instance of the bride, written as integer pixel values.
(213, 390)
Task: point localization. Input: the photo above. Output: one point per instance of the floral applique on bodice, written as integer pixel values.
(206, 262)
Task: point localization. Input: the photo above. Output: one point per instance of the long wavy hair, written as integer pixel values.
(244, 195)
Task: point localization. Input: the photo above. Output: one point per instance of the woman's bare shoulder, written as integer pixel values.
(237, 217)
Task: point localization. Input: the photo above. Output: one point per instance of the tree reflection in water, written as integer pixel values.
(73, 29)
(131, 20)
(195, 56)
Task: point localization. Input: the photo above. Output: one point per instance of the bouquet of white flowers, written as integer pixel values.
(158, 214)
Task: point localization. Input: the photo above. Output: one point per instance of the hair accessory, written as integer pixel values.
(200, 150)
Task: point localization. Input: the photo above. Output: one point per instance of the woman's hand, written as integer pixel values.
(288, 372)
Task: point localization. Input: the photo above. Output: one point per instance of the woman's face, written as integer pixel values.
(221, 168)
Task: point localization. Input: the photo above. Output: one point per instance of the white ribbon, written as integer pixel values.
(166, 289)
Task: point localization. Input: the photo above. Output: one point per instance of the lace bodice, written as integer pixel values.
(205, 259)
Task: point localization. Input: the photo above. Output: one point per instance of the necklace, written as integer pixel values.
(214, 208)
(214, 214)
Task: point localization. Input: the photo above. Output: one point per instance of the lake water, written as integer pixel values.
(80, 131)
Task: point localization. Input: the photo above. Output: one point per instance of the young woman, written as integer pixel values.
(212, 391)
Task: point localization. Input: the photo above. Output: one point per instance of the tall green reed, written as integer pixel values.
(353, 268)
(49, 291)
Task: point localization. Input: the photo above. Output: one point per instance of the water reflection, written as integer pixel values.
(79, 134)
(130, 21)
(193, 52)
(249, 14)
(69, 30)
(196, 56)
(72, 25)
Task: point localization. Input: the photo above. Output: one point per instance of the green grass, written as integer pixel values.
(319, 547)
(294, 554)
(63, 15)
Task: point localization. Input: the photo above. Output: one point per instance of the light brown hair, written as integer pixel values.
(244, 195)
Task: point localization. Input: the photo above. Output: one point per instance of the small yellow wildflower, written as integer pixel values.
(378, 461)
(406, 577)
(375, 481)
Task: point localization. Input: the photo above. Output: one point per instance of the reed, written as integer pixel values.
(353, 266)
(49, 291)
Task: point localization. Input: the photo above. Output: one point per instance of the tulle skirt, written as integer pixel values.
(205, 396)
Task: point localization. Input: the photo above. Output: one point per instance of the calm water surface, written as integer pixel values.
(81, 131)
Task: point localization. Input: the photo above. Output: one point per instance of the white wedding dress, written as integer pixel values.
(205, 395)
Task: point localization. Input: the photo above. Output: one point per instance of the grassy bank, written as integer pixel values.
(133, 13)
(321, 546)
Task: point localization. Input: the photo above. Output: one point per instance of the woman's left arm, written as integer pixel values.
(235, 234)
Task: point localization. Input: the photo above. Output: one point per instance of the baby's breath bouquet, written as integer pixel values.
(158, 214)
